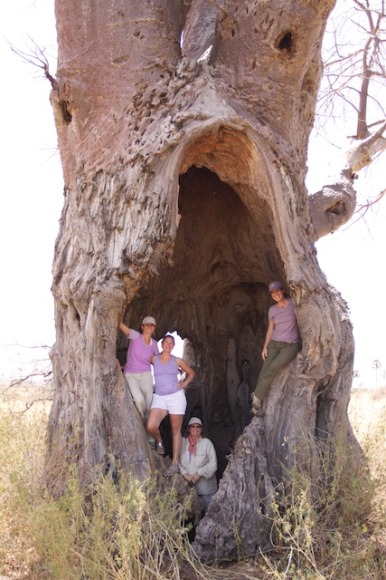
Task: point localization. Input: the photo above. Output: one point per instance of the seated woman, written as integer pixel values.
(198, 461)
(169, 398)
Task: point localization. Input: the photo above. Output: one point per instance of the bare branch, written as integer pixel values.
(363, 208)
(350, 71)
(37, 57)
(354, 90)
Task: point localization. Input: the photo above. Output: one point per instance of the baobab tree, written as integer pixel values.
(183, 129)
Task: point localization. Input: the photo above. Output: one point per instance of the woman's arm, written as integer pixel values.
(125, 329)
(190, 373)
(209, 469)
(271, 326)
(210, 466)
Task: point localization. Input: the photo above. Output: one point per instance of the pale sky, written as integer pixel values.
(31, 203)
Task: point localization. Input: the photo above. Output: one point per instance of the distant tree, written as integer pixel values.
(376, 365)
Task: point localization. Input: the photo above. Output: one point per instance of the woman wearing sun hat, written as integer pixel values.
(198, 461)
(137, 369)
(281, 345)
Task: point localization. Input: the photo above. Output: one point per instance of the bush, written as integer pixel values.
(332, 527)
(110, 531)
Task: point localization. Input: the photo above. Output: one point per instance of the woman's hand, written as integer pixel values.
(190, 373)
(264, 352)
(195, 477)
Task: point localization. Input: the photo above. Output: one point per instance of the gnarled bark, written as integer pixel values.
(185, 196)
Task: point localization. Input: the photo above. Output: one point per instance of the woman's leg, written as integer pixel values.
(286, 354)
(176, 424)
(147, 390)
(279, 355)
(265, 378)
(154, 421)
(134, 383)
(206, 499)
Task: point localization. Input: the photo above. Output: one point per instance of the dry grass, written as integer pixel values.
(352, 547)
(26, 397)
(366, 409)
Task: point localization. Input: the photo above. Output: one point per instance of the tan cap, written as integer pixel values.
(195, 421)
(148, 320)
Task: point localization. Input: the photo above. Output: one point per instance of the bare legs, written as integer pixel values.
(153, 423)
(176, 424)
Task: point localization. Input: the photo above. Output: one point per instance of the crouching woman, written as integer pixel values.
(198, 461)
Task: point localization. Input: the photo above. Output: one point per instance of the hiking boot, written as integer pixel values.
(160, 448)
(257, 407)
(171, 470)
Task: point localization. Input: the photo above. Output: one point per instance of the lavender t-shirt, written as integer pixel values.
(286, 327)
(139, 353)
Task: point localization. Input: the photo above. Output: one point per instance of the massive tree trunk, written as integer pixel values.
(184, 196)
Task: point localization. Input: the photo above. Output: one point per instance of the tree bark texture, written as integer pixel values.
(183, 130)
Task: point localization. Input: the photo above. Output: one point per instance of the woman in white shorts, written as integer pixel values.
(169, 398)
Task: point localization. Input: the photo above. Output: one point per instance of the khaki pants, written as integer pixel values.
(279, 355)
(141, 389)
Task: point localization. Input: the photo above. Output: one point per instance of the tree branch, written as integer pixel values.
(332, 206)
(362, 155)
(38, 59)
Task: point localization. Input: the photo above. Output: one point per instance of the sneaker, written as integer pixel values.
(171, 470)
(160, 449)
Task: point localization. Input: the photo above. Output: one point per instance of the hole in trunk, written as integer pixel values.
(285, 42)
(215, 293)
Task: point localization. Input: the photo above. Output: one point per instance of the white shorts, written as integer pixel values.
(174, 404)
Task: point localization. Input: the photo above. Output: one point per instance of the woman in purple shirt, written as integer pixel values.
(169, 398)
(137, 369)
(281, 345)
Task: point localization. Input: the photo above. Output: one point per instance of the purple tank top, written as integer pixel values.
(166, 376)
